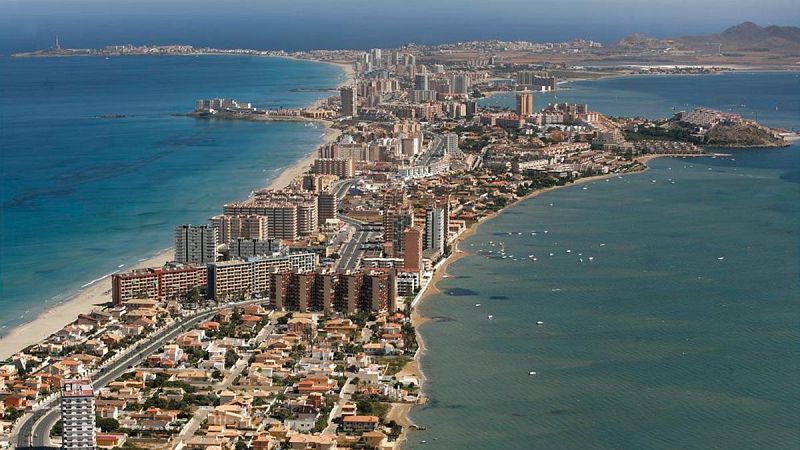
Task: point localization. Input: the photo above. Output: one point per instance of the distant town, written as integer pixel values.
(285, 321)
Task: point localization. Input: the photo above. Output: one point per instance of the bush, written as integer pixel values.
(107, 425)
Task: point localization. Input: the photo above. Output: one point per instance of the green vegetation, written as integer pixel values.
(394, 364)
(13, 414)
(230, 358)
(409, 337)
(107, 424)
(371, 405)
(58, 429)
(658, 133)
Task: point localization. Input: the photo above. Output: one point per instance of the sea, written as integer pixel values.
(85, 192)
(658, 310)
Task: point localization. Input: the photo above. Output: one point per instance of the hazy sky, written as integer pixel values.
(302, 24)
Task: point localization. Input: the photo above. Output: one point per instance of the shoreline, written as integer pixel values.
(92, 295)
(400, 412)
(97, 292)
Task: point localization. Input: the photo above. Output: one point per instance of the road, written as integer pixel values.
(435, 150)
(341, 188)
(35, 431)
(351, 252)
(345, 395)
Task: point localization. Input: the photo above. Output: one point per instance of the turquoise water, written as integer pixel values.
(81, 195)
(680, 332)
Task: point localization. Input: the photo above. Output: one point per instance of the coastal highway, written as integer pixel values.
(35, 430)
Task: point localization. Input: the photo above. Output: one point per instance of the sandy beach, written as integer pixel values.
(98, 293)
(51, 320)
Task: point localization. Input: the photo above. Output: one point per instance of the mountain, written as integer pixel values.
(750, 33)
(744, 37)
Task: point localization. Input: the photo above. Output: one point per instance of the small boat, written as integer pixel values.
(539, 322)
(477, 305)
(551, 254)
(445, 276)
(602, 245)
(721, 258)
(591, 258)
(569, 251)
(490, 316)
(531, 373)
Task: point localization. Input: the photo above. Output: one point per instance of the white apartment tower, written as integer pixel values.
(435, 231)
(195, 244)
(376, 57)
(78, 415)
(450, 144)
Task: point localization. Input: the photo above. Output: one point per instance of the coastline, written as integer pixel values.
(400, 412)
(50, 320)
(97, 293)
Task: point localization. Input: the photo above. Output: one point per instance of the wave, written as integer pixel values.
(99, 279)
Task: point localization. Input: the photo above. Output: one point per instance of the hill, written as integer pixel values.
(746, 37)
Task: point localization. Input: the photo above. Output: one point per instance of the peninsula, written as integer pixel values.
(287, 320)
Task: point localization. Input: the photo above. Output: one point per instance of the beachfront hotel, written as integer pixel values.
(234, 226)
(327, 291)
(169, 282)
(78, 415)
(341, 167)
(231, 279)
(290, 215)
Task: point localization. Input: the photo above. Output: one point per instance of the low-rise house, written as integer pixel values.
(262, 442)
(18, 402)
(110, 440)
(230, 416)
(155, 419)
(193, 376)
(192, 339)
(322, 385)
(308, 442)
(359, 424)
(206, 443)
(132, 329)
(95, 347)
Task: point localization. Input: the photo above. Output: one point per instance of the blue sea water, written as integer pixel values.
(770, 97)
(81, 195)
(671, 301)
